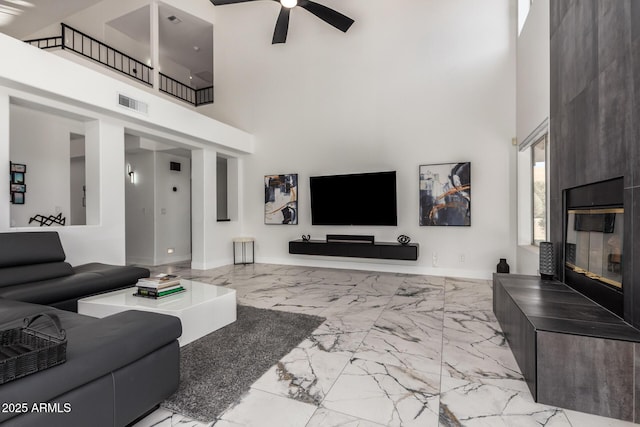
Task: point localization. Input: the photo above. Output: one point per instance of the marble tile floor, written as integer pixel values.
(395, 350)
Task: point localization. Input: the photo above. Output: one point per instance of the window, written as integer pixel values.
(523, 11)
(222, 189)
(539, 162)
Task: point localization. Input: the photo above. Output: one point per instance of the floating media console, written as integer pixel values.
(355, 249)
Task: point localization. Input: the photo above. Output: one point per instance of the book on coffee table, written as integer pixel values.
(159, 292)
(159, 282)
(148, 294)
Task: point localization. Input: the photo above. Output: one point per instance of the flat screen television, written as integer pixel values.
(354, 199)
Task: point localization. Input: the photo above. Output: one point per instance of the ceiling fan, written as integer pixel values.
(325, 13)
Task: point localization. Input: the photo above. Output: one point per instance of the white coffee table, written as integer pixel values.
(202, 309)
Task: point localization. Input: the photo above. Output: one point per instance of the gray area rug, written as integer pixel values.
(218, 368)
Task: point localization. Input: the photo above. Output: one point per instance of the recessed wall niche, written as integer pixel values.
(52, 143)
(77, 180)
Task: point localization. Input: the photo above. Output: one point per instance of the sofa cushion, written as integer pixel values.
(16, 311)
(95, 347)
(127, 275)
(34, 273)
(26, 248)
(63, 288)
(12, 314)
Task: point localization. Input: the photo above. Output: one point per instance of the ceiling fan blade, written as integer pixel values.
(328, 15)
(282, 26)
(223, 2)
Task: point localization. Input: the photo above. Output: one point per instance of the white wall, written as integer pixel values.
(533, 70)
(42, 142)
(141, 52)
(173, 209)
(5, 157)
(78, 86)
(140, 208)
(427, 82)
(48, 171)
(157, 218)
(92, 21)
(533, 107)
(216, 237)
(79, 91)
(137, 49)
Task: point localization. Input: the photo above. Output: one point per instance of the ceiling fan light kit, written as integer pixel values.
(328, 15)
(289, 3)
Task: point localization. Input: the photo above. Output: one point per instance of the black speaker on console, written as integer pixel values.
(349, 238)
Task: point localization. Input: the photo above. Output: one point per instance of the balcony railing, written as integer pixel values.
(46, 43)
(93, 49)
(87, 46)
(186, 93)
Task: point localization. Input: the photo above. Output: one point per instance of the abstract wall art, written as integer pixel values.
(281, 199)
(445, 194)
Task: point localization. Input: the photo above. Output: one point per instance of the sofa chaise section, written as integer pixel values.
(117, 369)
(33, 269)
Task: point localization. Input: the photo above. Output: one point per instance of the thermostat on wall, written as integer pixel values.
(174, 166)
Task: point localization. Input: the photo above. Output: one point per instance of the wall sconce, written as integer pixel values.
(131, 173)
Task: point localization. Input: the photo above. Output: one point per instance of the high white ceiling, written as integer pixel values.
(19, 18)
(178, 39)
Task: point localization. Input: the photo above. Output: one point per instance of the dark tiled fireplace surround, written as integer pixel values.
(573, 337)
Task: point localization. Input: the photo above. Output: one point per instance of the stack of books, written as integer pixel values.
(160, 286)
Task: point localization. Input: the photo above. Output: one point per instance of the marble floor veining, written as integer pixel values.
(395, 350)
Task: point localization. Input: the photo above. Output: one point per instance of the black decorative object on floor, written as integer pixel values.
(547, 261)
(502, 266)
(218, 368)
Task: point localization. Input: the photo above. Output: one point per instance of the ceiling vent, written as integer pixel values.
(132, 104)
(174, 19)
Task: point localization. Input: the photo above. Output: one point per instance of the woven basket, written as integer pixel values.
(24, 351)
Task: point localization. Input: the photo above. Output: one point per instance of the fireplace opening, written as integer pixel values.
(593, 242)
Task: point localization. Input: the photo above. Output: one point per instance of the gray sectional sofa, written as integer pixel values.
(118, 368)
(33, 269)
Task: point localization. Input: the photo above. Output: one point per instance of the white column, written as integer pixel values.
(92, 168)
(104, 151)
(5, 198)
(154, 42)
(203, 208)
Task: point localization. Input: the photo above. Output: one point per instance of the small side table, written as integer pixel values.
(244, 242)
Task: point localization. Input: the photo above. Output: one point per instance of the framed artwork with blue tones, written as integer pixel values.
(445, 194)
